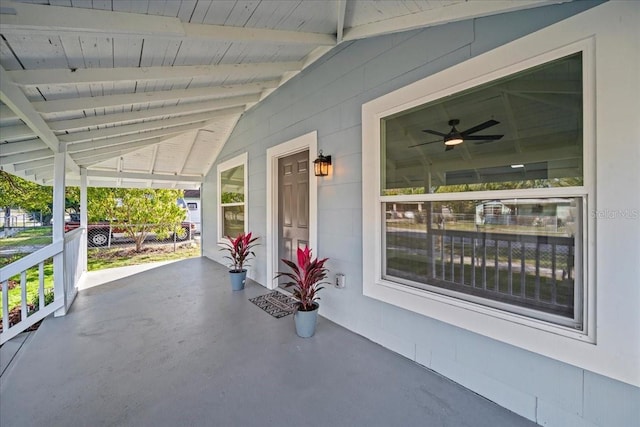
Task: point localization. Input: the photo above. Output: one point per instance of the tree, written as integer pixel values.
(16, 192)
(138, 211)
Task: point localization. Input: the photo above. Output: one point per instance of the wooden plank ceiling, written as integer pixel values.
(146, 92)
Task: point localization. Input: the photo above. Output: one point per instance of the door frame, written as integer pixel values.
(304, 142)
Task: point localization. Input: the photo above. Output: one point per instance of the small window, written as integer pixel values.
(192, 206)
(232, 189)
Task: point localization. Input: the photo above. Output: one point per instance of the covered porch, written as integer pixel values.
(175, 346)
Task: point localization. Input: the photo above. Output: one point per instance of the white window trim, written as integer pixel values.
(242, 159)
(512, 328)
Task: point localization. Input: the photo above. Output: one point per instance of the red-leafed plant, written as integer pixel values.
(306, 278)
(240, 250)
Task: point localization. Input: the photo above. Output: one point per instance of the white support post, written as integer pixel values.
(58, 226)
(202, 216)
(83, 219)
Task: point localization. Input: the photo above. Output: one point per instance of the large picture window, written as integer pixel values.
(232, 185)
(482, 195)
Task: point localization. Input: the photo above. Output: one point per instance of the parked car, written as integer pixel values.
(98, 232)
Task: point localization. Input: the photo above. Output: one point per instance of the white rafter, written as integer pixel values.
(16, 132)
(113, 151)
(78, 104)
(24, 157)
(67, 76)
(13, 97)
(21, 147)
(39, 19)
(16, 100)
(109, 142)
(146, 126)
(33, 164)
(6, 114)
(216, 106)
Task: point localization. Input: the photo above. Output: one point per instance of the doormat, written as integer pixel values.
(276, 304)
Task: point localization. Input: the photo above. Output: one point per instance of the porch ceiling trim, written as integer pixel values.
(442, 15)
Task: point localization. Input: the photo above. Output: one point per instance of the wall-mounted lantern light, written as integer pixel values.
(321, 164)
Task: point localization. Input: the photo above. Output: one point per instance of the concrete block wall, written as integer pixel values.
(328, 97)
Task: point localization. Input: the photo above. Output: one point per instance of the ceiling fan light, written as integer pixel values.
(453, 140)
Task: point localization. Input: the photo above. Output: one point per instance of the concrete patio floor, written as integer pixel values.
(174, 346)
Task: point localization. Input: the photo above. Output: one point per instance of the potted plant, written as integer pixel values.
(306, 277)
(240, 251)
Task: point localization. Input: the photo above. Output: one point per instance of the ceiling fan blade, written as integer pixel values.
(483, 137)
(479, 127)
(424, 143)
(435, 132)
(449, 147)
(486, 141)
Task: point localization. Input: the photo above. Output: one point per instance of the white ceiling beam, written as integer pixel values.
(15, 99)
(256, 35)
(94, 160)
(108, 142)
(40, 19)
(67, 76)
(37, 171)
(215, 106)
(79, 104)
(135, 128)
(6, 113)
(21, 147)
(34, 164)
(442, 15)
(93, 173)
(8, 133)
(135, 145)
(24, 157)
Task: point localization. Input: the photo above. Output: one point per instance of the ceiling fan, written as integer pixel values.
(455, 137)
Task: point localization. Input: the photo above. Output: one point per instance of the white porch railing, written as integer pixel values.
(75, 256)
(73, 253)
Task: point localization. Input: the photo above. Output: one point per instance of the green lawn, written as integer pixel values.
(97, 259)
(37, 236)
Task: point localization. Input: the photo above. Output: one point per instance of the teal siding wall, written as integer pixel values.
(328, 97)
